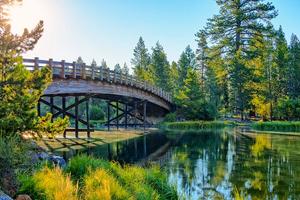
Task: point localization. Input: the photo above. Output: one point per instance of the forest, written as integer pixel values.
(243, 67)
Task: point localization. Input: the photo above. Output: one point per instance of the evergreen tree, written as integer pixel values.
(202, 54)
(174, 77)
(125, 69)
(103, 64)
(294, 68)
(186, 61)
(160, 67)
(118, 68)
(231, 30)
(20, 90)
(141, 61)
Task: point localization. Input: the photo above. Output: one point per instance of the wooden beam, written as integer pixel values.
(76, 116)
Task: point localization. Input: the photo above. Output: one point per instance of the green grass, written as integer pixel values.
(196, 125)
(88, 178)
(280, 126)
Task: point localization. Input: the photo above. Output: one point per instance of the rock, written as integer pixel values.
(58, 160)
(4, 196)
(23, 197)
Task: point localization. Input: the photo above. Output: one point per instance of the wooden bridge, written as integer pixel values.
(135, 103)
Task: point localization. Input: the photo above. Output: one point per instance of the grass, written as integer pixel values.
(196, 125)
(97, 138)
(88, 178)
(280, 126)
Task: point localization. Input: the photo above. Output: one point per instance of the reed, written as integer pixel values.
(280, 126)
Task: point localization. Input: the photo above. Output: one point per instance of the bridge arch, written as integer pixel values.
(137, 103)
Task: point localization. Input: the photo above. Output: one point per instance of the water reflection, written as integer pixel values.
(227, 164)
(233, 163)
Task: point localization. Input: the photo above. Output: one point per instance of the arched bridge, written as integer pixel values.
(130, 102)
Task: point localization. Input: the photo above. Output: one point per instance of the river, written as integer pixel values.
(224, 164)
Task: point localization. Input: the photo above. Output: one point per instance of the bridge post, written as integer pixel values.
(108, 115)
(76, 116)
(74, 70)
(63, 104)
(51, 107)
(36, 63)
(117, 115)
(126, 115)
(145, 114)
(62, 72)
(135, 114)
(50, 63)
(39, 108)
(83, 72)
(88, 116)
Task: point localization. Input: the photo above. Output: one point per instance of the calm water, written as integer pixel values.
(218, 165)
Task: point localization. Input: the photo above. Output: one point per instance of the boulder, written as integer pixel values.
(4, 196)
(23, 197)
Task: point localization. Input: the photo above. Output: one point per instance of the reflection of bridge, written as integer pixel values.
(134, 103)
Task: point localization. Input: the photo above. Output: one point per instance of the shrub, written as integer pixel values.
(277, 126)
(45, 127)
(79, 166)
(52, 184)
(12, 155)
(98, 179)
(99, 185)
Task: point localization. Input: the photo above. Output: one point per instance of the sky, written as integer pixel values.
(109, 29)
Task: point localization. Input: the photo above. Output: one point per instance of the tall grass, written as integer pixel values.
(196, 125)
(49, 184)
(283, 126)
(92, 179)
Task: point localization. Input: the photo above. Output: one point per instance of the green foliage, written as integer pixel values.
(45, 126)
(197, 125)
(13, 154)
(170, 117)
(98, 179)
(19, 89)
(191, 101)
(96, 113)
(277, 126)
(49, 184)
(288, 109)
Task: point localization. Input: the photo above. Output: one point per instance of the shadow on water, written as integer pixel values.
(223, 164)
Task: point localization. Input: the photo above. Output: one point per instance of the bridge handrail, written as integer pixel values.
(81, 70)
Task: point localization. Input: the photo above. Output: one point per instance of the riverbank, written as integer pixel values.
(277, 126)
(97, 138)
(196, 125)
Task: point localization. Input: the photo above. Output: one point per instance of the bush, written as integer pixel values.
(277, 126)
(98, 185)
(50, 184)
(45, 127)
(98, 179)
(13, 154)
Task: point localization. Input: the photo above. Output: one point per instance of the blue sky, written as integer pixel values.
(110, 29)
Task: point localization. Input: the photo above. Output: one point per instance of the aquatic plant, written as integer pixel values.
(286, 126)
(196, 125)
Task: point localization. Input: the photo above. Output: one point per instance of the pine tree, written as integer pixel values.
(160, 67)
(118, 68)
(202, 54)
(20, 90)
(125, 69)
(231, 30)
(186, 61)
(141, 60)
(294, 67)
(103, 64)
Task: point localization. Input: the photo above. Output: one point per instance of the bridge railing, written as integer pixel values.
(75, 70)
